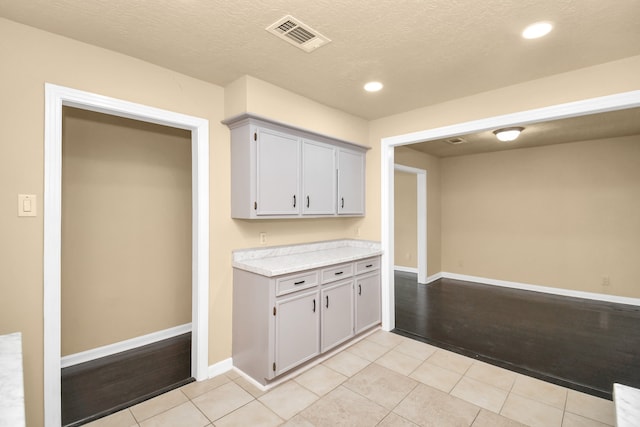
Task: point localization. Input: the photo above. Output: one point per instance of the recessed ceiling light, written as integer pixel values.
(373, 86)
(508, 134)
(539, 29)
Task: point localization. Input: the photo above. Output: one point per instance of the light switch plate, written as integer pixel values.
(27, 205)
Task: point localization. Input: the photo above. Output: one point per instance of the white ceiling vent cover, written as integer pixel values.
(297, 33)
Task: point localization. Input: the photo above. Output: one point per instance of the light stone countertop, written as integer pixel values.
(627, 401)
(278, 260)
(11, 382)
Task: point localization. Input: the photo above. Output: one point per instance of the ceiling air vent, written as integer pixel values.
(455, 141)
(297, 33)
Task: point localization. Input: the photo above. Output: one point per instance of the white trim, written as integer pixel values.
(572, 109)
(405, 269)
(421, 229)
(220, 368)
(118, 347)
(55, 98)
(544, 289)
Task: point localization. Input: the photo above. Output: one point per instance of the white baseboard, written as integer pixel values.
(405, 269)
(220, 367)
(118, 347)
(545, 289)
(433, 278)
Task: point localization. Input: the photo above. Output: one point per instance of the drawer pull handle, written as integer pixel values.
(307, 201)
(294, 200)
(359, 289)
(338, 273)
(368, 265)
(314, 305)
(342, 203)
(299, 283)
(327, 301)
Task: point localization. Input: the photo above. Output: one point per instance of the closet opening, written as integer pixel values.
(126, 262)
(59, 99)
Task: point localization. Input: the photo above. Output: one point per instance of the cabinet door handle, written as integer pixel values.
(307, 201)
(314, 305)
(327, 301)
(359, 289)
(299, 283)
(368, 265)
(342, 202)
(337, 273)
(294, 200)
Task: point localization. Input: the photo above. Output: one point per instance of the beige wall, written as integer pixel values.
(561, 216)
(605, 79)
(126, 229)
(29, 59)
(406, 220)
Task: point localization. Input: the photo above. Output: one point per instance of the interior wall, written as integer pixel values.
(563, 216)
(600, 80)
(126, 229)
(30, 58)
(406, 220)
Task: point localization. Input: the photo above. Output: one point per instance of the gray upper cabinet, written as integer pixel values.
(318, 178)
(350, 182)
(281, 171)
(278, 169)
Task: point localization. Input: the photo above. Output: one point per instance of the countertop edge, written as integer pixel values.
(281, 253)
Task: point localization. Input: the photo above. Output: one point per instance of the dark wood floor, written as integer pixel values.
(577, 343)
(101, 387)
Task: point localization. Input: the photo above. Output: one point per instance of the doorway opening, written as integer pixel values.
(57, 97)
(573, 109)
(410, 237)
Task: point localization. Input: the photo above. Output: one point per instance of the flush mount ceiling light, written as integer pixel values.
(373, 86)
(537, 30)
(508, 134)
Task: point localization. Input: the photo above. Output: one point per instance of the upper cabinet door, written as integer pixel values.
(350, 182)
(318, 179)
(278, 173)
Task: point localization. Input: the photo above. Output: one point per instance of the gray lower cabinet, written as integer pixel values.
(282, 322)
(367, 296)
(337, 314)
(297, 322)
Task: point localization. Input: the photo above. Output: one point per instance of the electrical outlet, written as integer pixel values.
(605, 281)
(263, 238)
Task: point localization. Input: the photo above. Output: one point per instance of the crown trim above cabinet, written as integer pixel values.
(282, 171)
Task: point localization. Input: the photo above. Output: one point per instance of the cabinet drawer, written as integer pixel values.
(337, 272)
(365, 265)
(296, 282)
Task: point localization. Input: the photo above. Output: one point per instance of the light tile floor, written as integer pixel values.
(383, 380)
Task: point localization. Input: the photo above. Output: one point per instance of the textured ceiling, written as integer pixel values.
(583, 128)
(424, 52)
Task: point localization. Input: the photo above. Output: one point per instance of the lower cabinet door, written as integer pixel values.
(297, 330)
(367, 290)
(337, 314)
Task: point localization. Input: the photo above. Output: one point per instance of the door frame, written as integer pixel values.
(602, 104)
(421, 229)
(55, 98)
